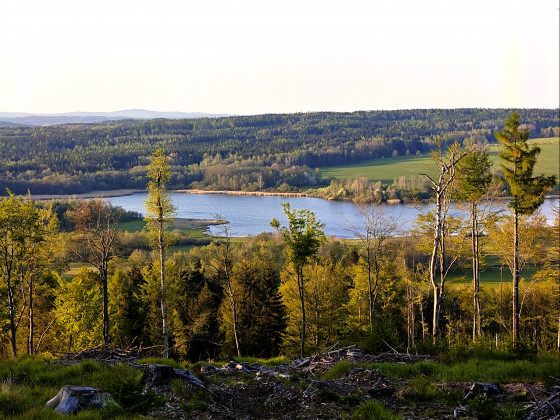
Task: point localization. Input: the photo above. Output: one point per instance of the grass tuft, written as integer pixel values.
(339, 369)
(372, 410)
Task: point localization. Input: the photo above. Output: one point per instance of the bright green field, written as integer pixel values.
(387, 169)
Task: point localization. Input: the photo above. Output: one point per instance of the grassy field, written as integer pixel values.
(387, 169)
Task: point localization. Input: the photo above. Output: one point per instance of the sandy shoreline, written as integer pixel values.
(257, 193)
(124, 192)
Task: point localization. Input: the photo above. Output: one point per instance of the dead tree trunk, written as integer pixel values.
(440, 188)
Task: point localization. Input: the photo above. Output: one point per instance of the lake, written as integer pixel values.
(251, 215)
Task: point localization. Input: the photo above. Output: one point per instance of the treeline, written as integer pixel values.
(257, 272)
(263, 152)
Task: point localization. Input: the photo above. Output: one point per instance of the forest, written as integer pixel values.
(254, 153)
(296, 290)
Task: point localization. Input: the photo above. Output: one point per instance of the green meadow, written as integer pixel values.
(390, 168)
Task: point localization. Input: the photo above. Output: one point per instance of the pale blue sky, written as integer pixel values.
(253, 57)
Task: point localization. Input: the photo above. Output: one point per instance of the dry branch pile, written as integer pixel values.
(320, 363)
(547, 408)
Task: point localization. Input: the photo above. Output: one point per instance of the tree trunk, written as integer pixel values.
(433, 269)
(515, 329)
(437, 313)
(163, 294)
(232, 302)
(234, 314)
(30, 339)
(303, 319)
(12, 305)
(104, 275)
(558, 340)
(477, 332)
(370, 290)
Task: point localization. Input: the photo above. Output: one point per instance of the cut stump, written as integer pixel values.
(72, 398)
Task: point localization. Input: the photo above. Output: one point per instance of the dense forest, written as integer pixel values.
(262, 152)
(56, 312)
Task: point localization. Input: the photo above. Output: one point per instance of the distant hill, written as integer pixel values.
(10, 119)
(280, 152)
(9, 124)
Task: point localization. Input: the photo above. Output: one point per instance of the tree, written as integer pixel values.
(78, 304)
(378, 228)
(159, 216)
(223, 265)
(525, 190)
(96, 223)
(23, 257)
(38, 257)
(303, 236)
(262, 317)
(533, 242)
(447, 166)
(473, 180)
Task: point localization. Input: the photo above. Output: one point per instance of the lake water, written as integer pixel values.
(251, 215)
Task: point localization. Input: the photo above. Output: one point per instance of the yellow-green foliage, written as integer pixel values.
(78, 308)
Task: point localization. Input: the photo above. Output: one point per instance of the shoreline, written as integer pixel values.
(255, 193)
(125, 192)
(93, 194)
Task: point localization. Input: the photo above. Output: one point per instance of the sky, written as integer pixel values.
(253, 57)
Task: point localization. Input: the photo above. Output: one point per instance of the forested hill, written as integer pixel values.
(252, 153)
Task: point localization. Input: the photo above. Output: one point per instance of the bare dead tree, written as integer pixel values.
(440, 186)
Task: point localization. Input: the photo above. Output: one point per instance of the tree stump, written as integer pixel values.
(155, 375)
(487, 389)
(72, 398)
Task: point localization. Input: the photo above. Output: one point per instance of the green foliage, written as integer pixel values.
(303, 235)
(78, 305)
(261, 316)
(382, 336)
(373, 410)
(27, 248)
(473, 176)
(519, 159)
(159, 208)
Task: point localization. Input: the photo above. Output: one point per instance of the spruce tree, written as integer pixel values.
(526, 191)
